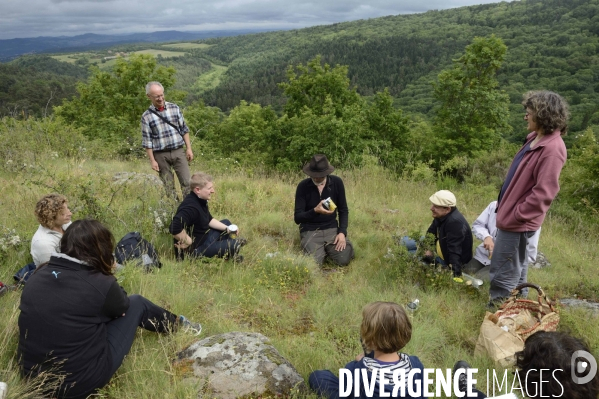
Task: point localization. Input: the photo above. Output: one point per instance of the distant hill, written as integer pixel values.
(552, 44)
(33, 85)
(12, 48)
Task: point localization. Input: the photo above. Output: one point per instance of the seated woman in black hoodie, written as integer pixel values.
(76, 323)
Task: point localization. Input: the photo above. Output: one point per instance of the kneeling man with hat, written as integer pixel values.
(451, 231)
(321, 234)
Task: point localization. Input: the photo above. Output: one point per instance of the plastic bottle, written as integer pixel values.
(413, 306)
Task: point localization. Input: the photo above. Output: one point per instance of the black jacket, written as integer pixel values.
(193, 216)
(307, 198)
(64, 308)
(455, 239)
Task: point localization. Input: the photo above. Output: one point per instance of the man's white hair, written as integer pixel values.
(150, 84)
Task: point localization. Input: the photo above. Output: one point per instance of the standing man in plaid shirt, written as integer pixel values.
(163, 132)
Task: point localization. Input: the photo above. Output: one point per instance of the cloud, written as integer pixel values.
(31, 18)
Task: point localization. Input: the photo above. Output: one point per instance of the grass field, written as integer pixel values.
(71, 58)
(163, 53)
(311, 316)
(210, 79)
(186, 46)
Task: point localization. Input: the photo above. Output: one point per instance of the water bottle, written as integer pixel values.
(413, 306)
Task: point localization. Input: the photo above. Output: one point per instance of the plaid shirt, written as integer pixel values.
(159, 135)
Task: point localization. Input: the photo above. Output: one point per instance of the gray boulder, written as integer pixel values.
(238, 364)
(593, 307)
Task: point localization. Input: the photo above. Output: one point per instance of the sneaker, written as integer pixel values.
(190, 326)
(462, 379)
(458, 280)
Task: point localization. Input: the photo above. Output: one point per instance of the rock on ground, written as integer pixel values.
(238, 364)
(578, 303)
(540, 262)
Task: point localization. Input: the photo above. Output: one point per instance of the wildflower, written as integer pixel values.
(15, 240)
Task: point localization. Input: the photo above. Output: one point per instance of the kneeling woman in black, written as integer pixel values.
(76, 323)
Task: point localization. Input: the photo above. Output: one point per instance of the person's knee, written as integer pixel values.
(136, 301)
(316, 379)
(343, 260)
(313, 380)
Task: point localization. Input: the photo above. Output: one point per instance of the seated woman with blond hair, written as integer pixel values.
(52, 211)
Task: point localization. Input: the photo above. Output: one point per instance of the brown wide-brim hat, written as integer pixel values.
(318, 166)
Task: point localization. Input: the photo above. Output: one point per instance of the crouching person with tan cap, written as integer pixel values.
(321, 234)
(453, 238)
(451, 230)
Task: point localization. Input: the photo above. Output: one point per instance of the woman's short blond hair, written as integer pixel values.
(199, 180)
(385, 327)
(48, 207)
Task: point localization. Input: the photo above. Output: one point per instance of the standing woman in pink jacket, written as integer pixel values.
(530, 186)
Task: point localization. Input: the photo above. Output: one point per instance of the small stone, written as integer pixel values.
(540, 262)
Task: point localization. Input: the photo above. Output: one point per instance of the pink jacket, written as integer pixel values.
(534, 185)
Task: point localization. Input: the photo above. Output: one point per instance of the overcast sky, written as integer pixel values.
(32, 18)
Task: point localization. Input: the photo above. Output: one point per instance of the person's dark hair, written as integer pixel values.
(553, 350)
(549, 110)
(91, 242)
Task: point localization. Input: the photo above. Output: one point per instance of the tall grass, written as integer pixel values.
(311, 316)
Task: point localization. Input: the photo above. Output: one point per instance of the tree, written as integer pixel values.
(110, 105)
(314, 85)
(388, 130)
(472, 111)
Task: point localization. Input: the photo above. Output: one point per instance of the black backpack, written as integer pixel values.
(135, 249)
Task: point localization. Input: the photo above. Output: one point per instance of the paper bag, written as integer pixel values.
(498, 344)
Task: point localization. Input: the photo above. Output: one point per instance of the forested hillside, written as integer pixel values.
(33, 85)
(552, 44)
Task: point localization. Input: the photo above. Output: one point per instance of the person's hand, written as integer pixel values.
(340, 242)
(155, 166)
(359, 356)
(321, 209)
(189, 155)
(185, 243)
(489, 244)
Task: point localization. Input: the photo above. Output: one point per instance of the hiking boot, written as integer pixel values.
(238, 258)
(462, 379)
(189, 326)
(241, 241)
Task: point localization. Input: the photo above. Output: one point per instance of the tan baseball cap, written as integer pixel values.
(443, 198)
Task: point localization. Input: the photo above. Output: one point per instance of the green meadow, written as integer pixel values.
(311, 314)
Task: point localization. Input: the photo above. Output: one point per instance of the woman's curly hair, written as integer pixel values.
(553, 350)
(549, 110)
(48, 207)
